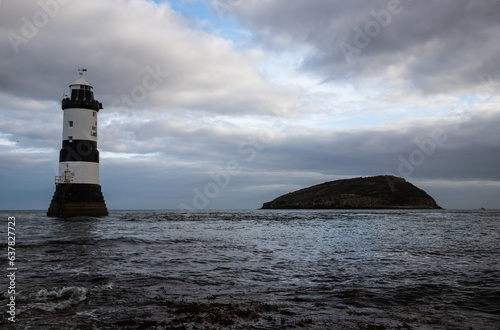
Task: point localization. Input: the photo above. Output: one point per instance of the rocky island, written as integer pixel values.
(378, 192)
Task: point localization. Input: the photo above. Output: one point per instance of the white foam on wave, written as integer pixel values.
(101, 288)
(59, 299)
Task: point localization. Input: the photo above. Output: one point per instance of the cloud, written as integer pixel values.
(436, 47)
(440, 148)
(128, 44)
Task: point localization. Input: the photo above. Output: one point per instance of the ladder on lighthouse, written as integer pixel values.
(65, 180)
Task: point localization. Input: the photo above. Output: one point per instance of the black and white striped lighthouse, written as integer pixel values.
(78, 192)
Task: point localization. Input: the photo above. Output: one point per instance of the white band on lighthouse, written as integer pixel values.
(81, 172)
(80, 124)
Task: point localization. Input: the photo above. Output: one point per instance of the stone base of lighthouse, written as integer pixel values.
(73, 200)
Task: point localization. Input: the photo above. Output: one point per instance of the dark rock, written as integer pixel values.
(378, 192)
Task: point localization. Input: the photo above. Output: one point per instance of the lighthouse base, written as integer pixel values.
(74, 200)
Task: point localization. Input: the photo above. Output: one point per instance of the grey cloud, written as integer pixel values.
(138, 56)
(434, 46)
(441, 149)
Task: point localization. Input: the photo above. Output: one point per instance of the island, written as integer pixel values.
(377, 192)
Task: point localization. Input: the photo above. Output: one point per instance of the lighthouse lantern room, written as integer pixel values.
(78, 192)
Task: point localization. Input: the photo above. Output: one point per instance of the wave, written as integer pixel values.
(52, 300)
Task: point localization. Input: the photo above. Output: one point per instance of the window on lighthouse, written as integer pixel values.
(70, 123)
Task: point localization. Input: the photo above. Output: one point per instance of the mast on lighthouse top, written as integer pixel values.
(82, 95)
(77, 84)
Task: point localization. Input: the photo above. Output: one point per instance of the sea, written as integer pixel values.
(253, 269)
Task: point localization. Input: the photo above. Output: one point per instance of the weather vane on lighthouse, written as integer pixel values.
(78, 192)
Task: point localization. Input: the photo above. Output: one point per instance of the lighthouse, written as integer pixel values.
(78, 192)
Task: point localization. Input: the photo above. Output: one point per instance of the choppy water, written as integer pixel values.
(259, 269)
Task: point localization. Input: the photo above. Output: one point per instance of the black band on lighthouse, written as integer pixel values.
(79, 151)
(84, 104)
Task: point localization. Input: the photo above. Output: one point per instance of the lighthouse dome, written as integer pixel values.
(80, 84)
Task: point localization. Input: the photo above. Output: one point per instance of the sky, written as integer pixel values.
(227, 104)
